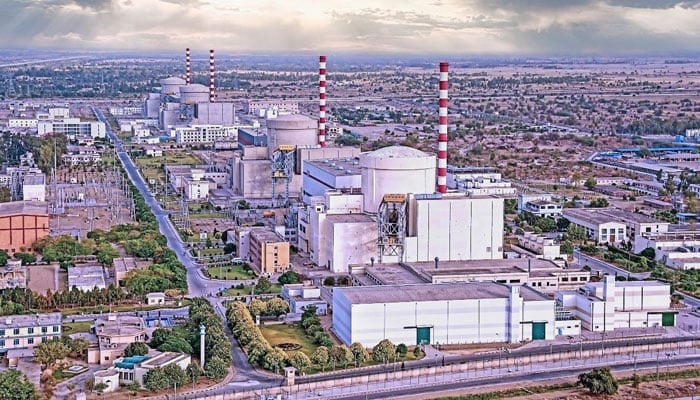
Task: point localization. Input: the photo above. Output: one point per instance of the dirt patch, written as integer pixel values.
(45, 277)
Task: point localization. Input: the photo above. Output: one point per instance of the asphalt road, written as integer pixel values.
(198, 286)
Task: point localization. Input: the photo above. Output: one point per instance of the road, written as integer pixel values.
(198, 286)
(600, 265)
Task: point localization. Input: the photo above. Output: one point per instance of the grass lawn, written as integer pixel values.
(210, 252)
(75, 327)
(126, 307)
(247, 289)
(231, 272)
(276, 334)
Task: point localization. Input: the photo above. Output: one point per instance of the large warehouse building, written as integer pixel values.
(483, 312)
(22, 223)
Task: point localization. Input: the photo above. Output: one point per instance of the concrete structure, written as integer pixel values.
(22, 223)
(483, 312)
(86, 277)
(127, 370)
(544, 275)
(34, 187)
(13, 275)
(541, 245)
(72, 127)
(322, 101)
(635, 223)
(29, 330)
(155, 298)
(109, 377)
(543, 208)
(268, 252)
(291, 129)
(341, 175)
(599, 227)
(205, 134)
(395, 169)
(442, 130)
(114, 333)
(608, 305)
(299, 296)
(255, 107)
(478, 181)
(678, 250)
(525, 198)
(121, 268)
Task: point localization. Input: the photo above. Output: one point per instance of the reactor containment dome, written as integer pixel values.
(395, 170)
(292, 129)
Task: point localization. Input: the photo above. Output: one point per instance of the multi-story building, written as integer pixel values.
(29, 330)
(268, 252)
(22, 223)
(72, 127)
(255, 107)
(543, 208)
(128, 370)
(600, 227)
(206, 134)
(114, 334)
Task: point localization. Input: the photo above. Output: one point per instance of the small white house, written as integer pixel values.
(155, 298)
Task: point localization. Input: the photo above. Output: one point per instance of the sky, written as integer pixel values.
(479, 27)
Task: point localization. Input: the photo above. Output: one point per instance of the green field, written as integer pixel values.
(75, 327)
(276, 334)
(247, 289)
(232, 272)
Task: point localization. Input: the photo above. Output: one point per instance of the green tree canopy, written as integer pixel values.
(51, 351)
(15, 386)
(136, 349)
(384, 351)
(599, 381)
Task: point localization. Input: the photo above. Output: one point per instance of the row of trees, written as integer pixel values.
(272, 307)
(21, 301)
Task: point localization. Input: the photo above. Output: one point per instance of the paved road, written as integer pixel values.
(198, 286)
(600, 265)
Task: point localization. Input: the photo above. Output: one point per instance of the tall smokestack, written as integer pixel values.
(211, 75)
(322, 101)
(442, 132)
(188, 71)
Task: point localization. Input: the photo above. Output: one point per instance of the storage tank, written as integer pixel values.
(170, 85)
(194, 93)
(295, 129)
(395, 169)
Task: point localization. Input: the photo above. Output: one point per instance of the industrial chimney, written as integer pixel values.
(211, 75)
(322, 101)
(188, 70)
(442, 131)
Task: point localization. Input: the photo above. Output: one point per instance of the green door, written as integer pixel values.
(538, 331)
(668, 319)
(423, 335)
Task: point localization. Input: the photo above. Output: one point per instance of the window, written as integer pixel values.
(604, 231)
(620, 231)
(649, 228)
(564, 279)
(30, 330)
(574, 279)
(16, 342)
(43, 339)
(43, 329)
(2, 332)
(30, 340)
(55, 328)
(2, 342)
(15, 331)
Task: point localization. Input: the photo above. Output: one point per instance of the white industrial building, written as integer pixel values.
(483, 312)
(599, 227)
(206, 133)
(543, 246)
(398, 217)
(608, 305)
(72, 127)
(86, 277)
(339, 175)
(635, 223)
(478, 181)
(678, 250)
(541, 204)
(34, 187)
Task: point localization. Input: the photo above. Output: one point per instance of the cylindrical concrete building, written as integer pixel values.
(194, 93)
(171, 85)
(293, 129)
(395, 169)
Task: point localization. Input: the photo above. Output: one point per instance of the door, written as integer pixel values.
(423, 335)
(538, 331)
(668, 319)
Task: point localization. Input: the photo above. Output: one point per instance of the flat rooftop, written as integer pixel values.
(34, 179)
(24, 207)
(589, 215)
(29, 320)
(623, 215)
(162, 359)
(349, 218)
(337, 166)
(265, 235)
(433, 292)
(86, 276)
(125, 264)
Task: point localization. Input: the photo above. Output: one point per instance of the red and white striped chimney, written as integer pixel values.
(442, 131)
(188, 71)
(322, 101)
(211, 75)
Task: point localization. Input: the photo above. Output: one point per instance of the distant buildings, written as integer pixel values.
(612, 225)
(22, 223)
(128, 370)
(300, 296)
(541, 205)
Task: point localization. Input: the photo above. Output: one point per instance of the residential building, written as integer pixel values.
(22, 223)
(299, 296)
(678, 249)
(205, 134)
(609, 305)
(600, 227)
(442, 313)
(269, 253)
(543, 208)
(28, 330)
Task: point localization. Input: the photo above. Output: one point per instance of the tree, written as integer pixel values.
(277, 307)
(176, 343)
(402, 350)
(26, 258)
(49, 352)
(136, 349)
(175, 374)
(384, 351)
(598, 381)
(215, 368)
(343, 355)
(155, 379)
(275, 360)
(288, 277)
(14, 385)
(321, 357)
(229, 248)
(257, 307)
(264, 285)
(300, 361)
(575, 232)
(590, 183)
(329, 281)
(417, 351)
(77, 347)
(4, 257)
(5, 194)
(649, 253)
(600, 202)
(567, 247)
(193, 372)
(159, 336)
(576, 178)
(106, 254)
(359, 353)
(257, 350)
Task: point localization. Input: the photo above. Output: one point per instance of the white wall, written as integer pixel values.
(351, 243)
